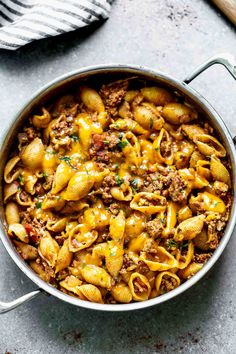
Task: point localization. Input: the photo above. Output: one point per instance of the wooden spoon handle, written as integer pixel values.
(228, 7)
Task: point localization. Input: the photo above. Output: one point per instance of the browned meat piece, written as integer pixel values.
(113, 94)
(61, 131)
(167, 284)
(107, 183)
(202, 258)
(177, 190)
(154, 228)
(101, 144)
(220, 188)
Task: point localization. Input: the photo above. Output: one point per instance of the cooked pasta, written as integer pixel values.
(117, 193)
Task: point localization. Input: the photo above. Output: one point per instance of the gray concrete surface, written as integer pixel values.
(173, 36)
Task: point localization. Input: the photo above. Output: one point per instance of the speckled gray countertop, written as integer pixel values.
(173, 36)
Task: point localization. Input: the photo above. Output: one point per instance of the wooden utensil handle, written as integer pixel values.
(228, 7)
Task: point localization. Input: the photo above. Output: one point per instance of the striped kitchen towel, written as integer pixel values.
(23, 21)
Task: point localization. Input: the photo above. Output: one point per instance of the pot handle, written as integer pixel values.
(8, 306)
(225, 59)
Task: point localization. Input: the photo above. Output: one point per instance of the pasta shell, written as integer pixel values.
(48, 249)
(114, 258)
(147, 118)
(157, 95)
(207, 202)
(64, 257)
(49, 162)
(124, 193)
(183, 257)
(128, 124)
(184, 213)
(12, 213)
(27, 252)
(30, 179)
(190, 228)
(192, 130)
(160, 155)
(219, 171)
(96, 218)
(19, 231)
(56, 225)
(165, 282)
(71, 283)
(10, 190)
(208, 145)
(78, 187)
(139, 287)
(190, 270)
(91, 99)
(201, 240)
(161, 260)
(96, 276)
(22, 198)
(178, 113)
(63, 174)
(148, 203)
(130, 95)
(53, 202)
(134, 224)
(121, 293)
(171, 218)
(43, 120)
(32, 155)
(137, 244)
(117, 227)
(11, 172)
(80, 238)
(90, 292)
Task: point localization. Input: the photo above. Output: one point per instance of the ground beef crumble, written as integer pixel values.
(177, 190)
(154, 227)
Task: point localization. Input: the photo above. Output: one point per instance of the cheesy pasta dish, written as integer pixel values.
(117, 193)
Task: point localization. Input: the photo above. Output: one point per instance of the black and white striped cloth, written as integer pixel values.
(23, 21)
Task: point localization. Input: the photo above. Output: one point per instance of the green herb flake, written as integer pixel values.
(113, 253)
(83, 265)
(151, 123)
(20, 179)
(51, 152)
(162, 220)
(215, 204)
(45, 174)
(119, 180)
(116, 166)
(122, 144)
(171, 244)
(38, 205)
(67, 159)
(157, 148)
(106, 142)
(74, 137)
(134, 184)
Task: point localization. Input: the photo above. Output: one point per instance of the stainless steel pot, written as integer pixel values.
(104, 72)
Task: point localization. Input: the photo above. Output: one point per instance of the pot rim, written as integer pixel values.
(185, 88)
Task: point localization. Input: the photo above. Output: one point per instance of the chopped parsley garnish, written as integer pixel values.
(106, 142)
(122, 144)
(116, 166)
(162, 220)
(171, 244)
(38, 205)
(215, 204)
(119, 180)
(157, 148)
(134, 184)
(45, 174)
(67, 159)
(151, 123)
(20, 179)
(184, 245)
(74, 137)
(112, 253)
(51, 152)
